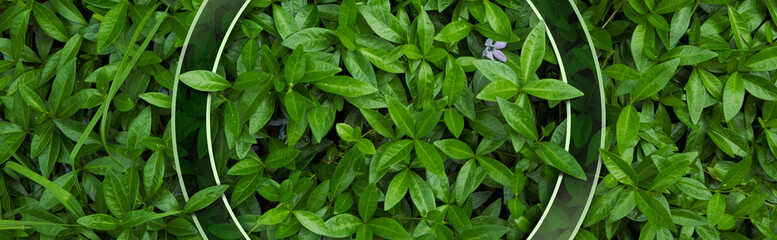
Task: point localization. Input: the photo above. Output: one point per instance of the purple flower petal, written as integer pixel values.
(500, 45)
(490, 55)
(499, 56)
(489, 43)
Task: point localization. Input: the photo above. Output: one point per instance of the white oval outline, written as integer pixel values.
(210, 142)
(569, 123)
(207, 117)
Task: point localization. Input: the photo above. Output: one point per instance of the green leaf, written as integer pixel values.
(321, 118)
(455, 148)
(659, 22)
(560, 159)
(273, 216)
(425, 32)
(368, 202)
(551, 89)
(157, 99)
(204, 197)
(347, 13)
(519, 119)
(395, 152)
(281, 157)
(69, 11)
(295, 66)
(687, 218)
(638, 6)
(760, 87)
(427, 123)
(32, 98)
(112, 25)
(180, 227)
(483, 232)
(249, 54)
(49, 22)
(41, 139)
(401, 117)
(116, 198)
(347, 132)
(619, 168)
(654, 211)
(454, 121)
(245, 188)
(421, 194)
(733, 95)
(533, 51)
(672, 173)
(694, 188)
(388, 228)
(750, 204)
(496, 170)
(716, 208)
(690, 55)
(203, 80)
(765, 60)
(681, 21)
(397, 189)
(63, 196)
(345, 86)
(697, 96)
(378, 122)
(627, 128)
(729, 141)
(312, 222)
(344, 174)
(62, 86)
(343, 225)
(312, 39)
(153, 173)
(359, 67)
(496, 71)
(737, 173)
(469, 178)
(498, 89)
(454, 82)
(317, 70)
(99, 221)
(430, 158)
(668, 6)
(498, 20)
(739, 28)
(73, 130)
(246, 166)
(296, 105)
(454, 31)
(654, 79)
(284, 22)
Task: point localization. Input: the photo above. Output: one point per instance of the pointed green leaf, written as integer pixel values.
(560, 159)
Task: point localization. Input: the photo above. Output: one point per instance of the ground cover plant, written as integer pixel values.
(385, 119)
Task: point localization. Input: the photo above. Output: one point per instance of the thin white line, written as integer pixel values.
(209, 139)
(604, 118)
(569, 122)
(172, 118)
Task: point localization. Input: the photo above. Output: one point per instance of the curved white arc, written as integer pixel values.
(209, 139)
(172, 117)
(604, 117)
(567, 139)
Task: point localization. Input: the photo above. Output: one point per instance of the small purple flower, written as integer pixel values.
(492, 50)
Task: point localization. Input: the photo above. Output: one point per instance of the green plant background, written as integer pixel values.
(328, 113)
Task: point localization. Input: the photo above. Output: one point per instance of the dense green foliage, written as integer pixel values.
(386, 119)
